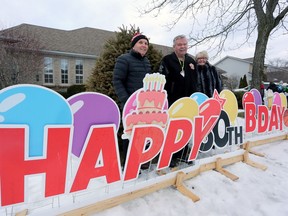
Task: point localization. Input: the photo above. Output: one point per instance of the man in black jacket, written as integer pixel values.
(131, 68)
(181, 77)
(129, 72)
(179, 70)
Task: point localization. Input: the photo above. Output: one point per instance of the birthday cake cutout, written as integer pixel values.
(151, 104)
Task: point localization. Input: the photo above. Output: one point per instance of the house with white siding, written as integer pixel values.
(236, 67)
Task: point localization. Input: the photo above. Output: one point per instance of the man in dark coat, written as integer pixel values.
(129, 72)
(179, 70)
(181, 79)
(131, 68)
(272, 86)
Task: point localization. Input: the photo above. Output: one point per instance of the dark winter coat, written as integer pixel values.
(273, 87)
(129, 72)
(176, 85)
(208, 79)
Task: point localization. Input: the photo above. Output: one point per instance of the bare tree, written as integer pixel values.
(278, 62)
(232, 82)
(219, 21)
(20, 57)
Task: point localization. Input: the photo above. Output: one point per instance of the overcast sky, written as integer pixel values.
(112, 14)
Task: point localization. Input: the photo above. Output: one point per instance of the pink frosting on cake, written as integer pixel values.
(132, 119)
(151, 100)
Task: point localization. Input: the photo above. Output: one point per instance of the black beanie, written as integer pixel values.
(136, 38)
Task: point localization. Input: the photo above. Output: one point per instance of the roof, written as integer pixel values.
(8, 39)
(73, 41)
(247, 60)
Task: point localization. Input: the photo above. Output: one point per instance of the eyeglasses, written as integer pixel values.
(202, 58)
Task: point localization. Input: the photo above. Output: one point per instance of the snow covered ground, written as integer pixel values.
(256, 192)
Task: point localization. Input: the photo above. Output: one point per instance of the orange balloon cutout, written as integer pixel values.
(231, 104)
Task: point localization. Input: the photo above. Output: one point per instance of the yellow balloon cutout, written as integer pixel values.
(283, 100)
(231, 104)
(183, 108)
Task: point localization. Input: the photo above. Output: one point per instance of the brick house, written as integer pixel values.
(68, 55)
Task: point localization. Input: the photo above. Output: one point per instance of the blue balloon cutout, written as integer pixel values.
(34, 106)
(199, 97)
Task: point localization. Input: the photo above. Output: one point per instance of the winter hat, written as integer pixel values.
(137, 36)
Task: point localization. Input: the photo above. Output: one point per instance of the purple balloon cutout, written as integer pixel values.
(89, 109)
(257, 97)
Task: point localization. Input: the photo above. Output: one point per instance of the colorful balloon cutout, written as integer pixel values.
(90, 108)
(277, 99)
(257, 97)
(285, 118)
(37, 107)
(283, 100)
(130, 104)
(185, 107)
(199, 97)
(248, 97)
(210, 108)
(231, 104)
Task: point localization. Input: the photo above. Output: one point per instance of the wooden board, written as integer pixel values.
(22, 213)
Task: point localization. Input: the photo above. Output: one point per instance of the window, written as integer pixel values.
(64, 71)
(48, 70)
(79, 72)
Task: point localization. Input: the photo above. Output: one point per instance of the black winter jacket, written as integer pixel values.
(208, 79)
(129, 72)
(176, 85)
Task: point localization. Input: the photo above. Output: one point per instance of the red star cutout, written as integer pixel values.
(222, 101)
